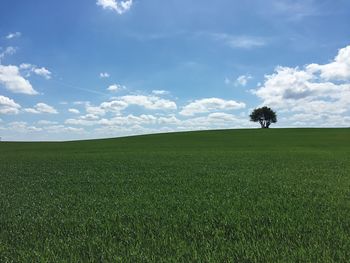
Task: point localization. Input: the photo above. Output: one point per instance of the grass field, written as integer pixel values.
(274, 195)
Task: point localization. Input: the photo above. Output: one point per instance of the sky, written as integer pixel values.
(87, 69)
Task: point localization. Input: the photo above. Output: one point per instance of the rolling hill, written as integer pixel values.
(265, 195)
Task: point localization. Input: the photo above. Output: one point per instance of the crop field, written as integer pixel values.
(264, 195)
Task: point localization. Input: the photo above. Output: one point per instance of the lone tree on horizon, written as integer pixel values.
(265, 116)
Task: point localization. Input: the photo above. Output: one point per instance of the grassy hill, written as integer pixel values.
(277, 195)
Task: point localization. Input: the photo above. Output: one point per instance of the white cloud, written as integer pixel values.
(62, 129)
(294, 10)
(31, 110)
(8, 106)
(81, 102)
(45, 122)
(12, 80)
(114, 106)
(80, 122)
(118, 6)
(217, 120)
(243, 80)
(129, 120)
(172, 120)
(339, 69)
(22, 127)
(13, 35)
(245, 42)
(116, 87)
(322, 90)
(160, 92)
(89, 117)
(95, 110)
(7, 51)
(41, 108)
(43, 72)
(74, 111)
(209, 105)
(104, 75)
(25, 66)
(149, 102)
(121, 103)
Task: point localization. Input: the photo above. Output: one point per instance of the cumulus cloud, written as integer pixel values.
(339, 69)
(74, 111)
(12, 80)
(114, 121)
(169, 120)
(104, 75)
(41, 108)
(312, 89)
(63, 129)
(149, 102)
(29, 68)
(121, 103)
(209, 105)
(13, 35)
(22, 127)
(8, 106)
(217, 120)
(129, 120)
(45, 122)
(114, 106)
(160, 92)
(243, 80)
(96, 110)
(116, 88)
(80, 122)
(145, 121)
(42, 72)
(118, 6)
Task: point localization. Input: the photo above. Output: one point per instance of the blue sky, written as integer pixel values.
(105, 68)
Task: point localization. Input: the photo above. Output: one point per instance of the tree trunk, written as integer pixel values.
(264, 124)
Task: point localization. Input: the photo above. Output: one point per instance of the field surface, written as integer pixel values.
(277, 195)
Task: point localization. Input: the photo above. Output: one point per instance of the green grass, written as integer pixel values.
(277, 195)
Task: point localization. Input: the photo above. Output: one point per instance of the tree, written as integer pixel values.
(265, 116)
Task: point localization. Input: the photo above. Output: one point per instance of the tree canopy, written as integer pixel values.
(265, 116)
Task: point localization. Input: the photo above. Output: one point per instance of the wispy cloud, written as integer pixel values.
(160, 92)
(293, 10)
(246, 42)
(118, 6)
(13, 35)
(7, 51)
(236, 41)
(240, 81)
